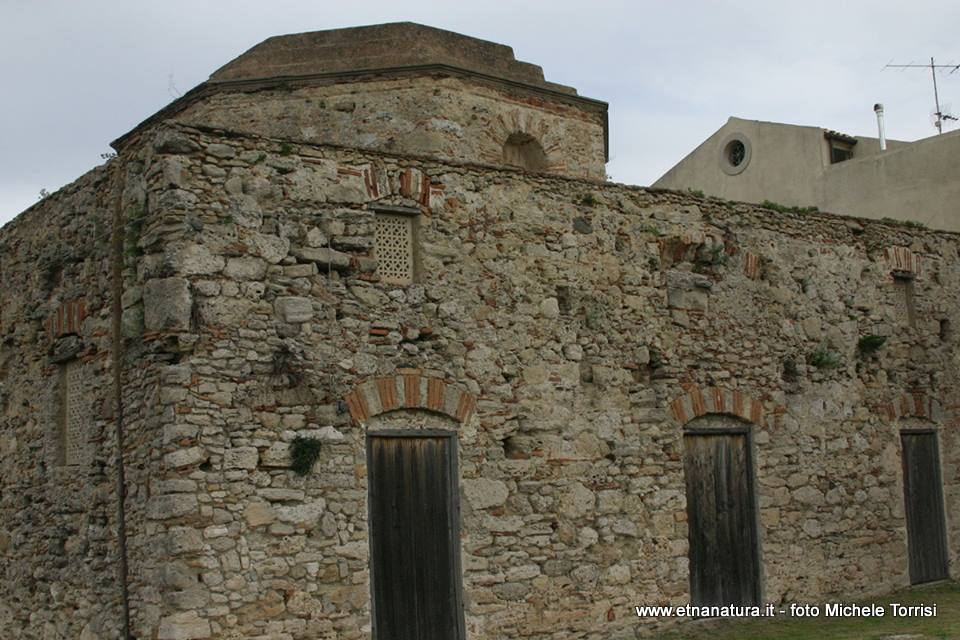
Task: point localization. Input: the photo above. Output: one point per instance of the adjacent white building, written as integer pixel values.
(753, 161)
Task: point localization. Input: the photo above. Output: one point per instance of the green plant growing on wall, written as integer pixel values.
(790, 371)
(286, 149)
(782, 208)
(870, 344)
(913, 224)
(133, 231)
(304, 452)
(696, 192)
(589, 200)
(708, 257)
(823, 358)
(286, 368)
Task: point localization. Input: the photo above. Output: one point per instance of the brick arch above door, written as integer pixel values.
(409, 389)
(696, 401)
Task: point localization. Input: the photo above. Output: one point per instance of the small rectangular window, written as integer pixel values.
(394, 247)
(906, 310)
(75, 415)
(840, 154)
(840, 146)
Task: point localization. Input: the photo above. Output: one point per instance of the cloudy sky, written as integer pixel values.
(78, 74)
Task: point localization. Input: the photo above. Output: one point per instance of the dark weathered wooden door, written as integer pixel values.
(724, 557)
(923, 502)
(414, 537)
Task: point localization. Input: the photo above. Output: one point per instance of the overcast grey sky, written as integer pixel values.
(78, 74)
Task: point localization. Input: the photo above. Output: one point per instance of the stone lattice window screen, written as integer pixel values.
(394, 248)
(904, 305)
(76, 416)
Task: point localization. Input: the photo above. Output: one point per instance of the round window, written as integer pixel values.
(734, 154)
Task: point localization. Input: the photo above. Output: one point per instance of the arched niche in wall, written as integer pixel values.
(721, 511)
(524, 151)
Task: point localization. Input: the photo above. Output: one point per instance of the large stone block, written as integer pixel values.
(167, 304)
(184, 626)
(323, 256)
(294, 309)
(483, 493)
(171, 505)
(241, 458)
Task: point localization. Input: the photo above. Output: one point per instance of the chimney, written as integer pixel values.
(878, 109)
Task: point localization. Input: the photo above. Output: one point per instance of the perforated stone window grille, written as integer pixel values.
(394, 247)
(904, 305)
(75, 420)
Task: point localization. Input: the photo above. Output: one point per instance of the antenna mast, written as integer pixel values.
(936, 97)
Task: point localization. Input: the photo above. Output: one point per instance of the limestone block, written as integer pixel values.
(183, 540)
(188, 599)
(221, 150)
(687, 290)
(167, 304)
(131, 322)
(175, 172)
(303, 270)
(587, 537)
(196, 259)
(275, 494)
(316, 238)
(183, 626)
(241, 458)
(550, 308)
(323, 256)
(271, 248)
(278, 455)
(555, 568)
(185, 457)
(617, 574)
(522, 572)
(259, 513)
(294, 309)
(245, 268)
(485, 492)
(578, 501)
(573, 352)
(174, 142)
(809, 495)
(308, 513)
(171, 505)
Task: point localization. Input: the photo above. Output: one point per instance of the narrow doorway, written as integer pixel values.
(721, 517)
(414, 536)
(923, 505)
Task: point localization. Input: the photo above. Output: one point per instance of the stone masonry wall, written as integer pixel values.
(567, 330)
(444, 117)
(58, 545)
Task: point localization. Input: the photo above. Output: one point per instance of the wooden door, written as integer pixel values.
(724, 555)
(923, 505)
(414, 536)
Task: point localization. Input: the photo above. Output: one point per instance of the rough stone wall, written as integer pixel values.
(443, 117)
(58, 550)
(589, 321)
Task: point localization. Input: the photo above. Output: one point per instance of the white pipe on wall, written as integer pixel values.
(878, 109)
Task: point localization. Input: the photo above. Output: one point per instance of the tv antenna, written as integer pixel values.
(938, 114)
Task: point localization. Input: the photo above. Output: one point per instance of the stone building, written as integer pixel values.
(353, 339)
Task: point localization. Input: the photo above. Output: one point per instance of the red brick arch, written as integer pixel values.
(914, 404)
(695, 402)
(409, 389)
